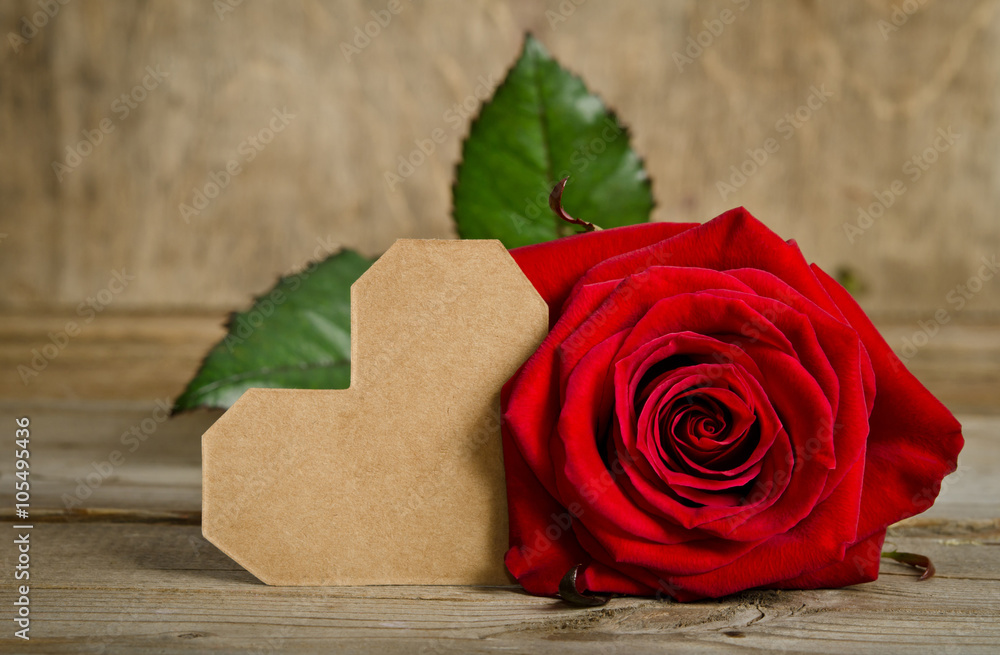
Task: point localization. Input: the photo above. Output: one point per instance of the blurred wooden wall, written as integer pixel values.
(222, 74)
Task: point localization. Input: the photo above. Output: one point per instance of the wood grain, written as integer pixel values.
(142, 356)
(128, 571)
(163, 473)
(154, 588)
(321, 180)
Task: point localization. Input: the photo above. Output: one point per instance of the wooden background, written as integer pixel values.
(121, 566)
(321, 180)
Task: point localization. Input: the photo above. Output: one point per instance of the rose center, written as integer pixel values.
(696, 424)
(701, 425)
(695, 432)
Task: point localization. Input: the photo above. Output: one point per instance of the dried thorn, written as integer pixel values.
(914, 560)
(555, 204)
(569, 593)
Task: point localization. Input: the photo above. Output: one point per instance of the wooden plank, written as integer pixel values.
(146, 356)
(74, 440)
(145, 588)
(113, 357)
(73, 453)
(960, 363)
(973, 491)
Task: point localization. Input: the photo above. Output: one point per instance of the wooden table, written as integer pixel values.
(126, 569)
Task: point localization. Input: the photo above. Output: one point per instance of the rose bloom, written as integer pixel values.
(709, 413)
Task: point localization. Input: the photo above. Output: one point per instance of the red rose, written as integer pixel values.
(708, 414)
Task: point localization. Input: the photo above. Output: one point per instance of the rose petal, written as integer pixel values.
(914, 440)
(860, 564)
(554, 267)
(820, 540)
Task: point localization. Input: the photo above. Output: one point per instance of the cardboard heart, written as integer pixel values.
(398, 479)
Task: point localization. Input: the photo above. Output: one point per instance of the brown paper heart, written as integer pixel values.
(398, 479)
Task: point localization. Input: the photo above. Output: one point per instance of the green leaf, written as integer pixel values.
(543, 125)
(297, 335)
